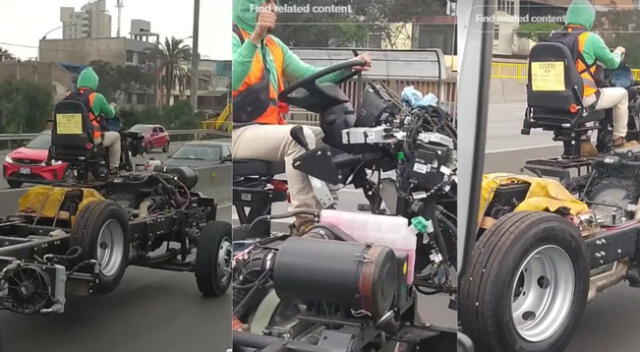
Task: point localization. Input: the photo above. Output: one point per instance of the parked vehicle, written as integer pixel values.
(201, 153)
(155, 136)
(28, 163)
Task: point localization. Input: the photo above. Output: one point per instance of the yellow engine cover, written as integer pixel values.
(544, 194)
(45, 201)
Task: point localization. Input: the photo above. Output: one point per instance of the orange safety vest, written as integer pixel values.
(274, 114)
(586, 71)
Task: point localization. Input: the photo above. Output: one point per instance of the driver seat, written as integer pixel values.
(259, 168)
(554, 98)
(72, 135)
(254, 188)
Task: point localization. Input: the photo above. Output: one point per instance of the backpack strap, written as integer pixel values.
(238, 32)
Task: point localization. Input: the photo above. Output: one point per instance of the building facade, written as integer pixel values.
(92, 21)
(214, 86)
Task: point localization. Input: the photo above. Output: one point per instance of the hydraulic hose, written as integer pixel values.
(312, 212)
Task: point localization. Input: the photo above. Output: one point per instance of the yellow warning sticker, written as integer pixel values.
(547, 76)
(69, 123)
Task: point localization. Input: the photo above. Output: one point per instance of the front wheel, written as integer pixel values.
(101, 231)
(213, 259)
(165, 149)
(527, 284)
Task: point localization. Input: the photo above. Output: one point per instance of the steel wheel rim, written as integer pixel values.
(110, 247)
(542, 293)
(223, 266)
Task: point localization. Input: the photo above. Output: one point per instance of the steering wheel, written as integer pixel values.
(310, 84)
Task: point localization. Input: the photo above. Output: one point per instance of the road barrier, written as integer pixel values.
(518, 71)
(509, 70)
(7, 140)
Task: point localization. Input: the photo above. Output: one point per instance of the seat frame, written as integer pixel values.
(568, 127)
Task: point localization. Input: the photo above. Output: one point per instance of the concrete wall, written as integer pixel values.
(45, 74)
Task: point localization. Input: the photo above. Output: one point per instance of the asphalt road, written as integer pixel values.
(152, 310)
(504, 125)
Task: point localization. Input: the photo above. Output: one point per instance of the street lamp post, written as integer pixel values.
(195, 57)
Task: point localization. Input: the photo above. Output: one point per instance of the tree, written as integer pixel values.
(5, 55)
(537, 31)
(171, 56)
(619, 28)
(24, 107)
(116, 80)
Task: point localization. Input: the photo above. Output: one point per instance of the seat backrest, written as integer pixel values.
(71, 125)
(554, 83)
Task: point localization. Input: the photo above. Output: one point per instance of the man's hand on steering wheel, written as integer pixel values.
(367, 63)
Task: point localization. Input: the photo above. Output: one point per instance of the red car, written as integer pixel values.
(27, 164)
(155, 136)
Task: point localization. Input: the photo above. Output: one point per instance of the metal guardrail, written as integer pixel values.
(506, 70)
(197, 133)
(518, 71)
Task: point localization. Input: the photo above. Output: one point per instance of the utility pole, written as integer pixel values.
(195, 59)
(120, 5)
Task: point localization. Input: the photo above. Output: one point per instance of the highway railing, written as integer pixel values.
(11, 140)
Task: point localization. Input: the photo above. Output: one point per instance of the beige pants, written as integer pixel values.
(112, 141)
(618, 99)
(273, 143)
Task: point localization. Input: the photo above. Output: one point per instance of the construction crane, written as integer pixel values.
(119, 6)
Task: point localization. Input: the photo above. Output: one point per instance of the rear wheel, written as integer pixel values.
(14, 184)
(213, 259)
(101, 231)
(527, 285)
(165, 149)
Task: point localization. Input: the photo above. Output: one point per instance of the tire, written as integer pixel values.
(14, 184)
(109, 219)
(213, 259)
(497, 263)
(165, 149)
(147, 148)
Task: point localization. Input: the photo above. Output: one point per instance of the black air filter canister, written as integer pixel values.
(356, 275)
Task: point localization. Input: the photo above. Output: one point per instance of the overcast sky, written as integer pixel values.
(24, 22)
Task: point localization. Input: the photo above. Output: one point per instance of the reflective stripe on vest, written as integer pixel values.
(587, 73)
(97, 131)
(274, 114)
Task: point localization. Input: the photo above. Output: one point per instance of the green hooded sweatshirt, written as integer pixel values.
(245, 15)
(88, 78)
(582, 13)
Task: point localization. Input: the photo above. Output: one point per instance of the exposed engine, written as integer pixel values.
(320, 278)
(423, 143)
